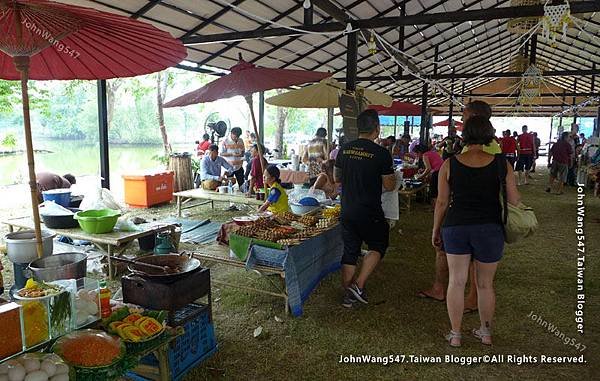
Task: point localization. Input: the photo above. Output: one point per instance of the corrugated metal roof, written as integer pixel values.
(467, 47)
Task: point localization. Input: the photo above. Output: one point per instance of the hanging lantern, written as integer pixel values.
(556, 20)
(531, 81)
(532, 77)
(523, 25)
(520, 63)
(371, 45)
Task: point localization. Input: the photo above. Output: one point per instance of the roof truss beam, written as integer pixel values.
(381, 22)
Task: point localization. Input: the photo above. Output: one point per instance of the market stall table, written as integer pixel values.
(294, 177)
(211, 196)
(113, 243)
(301, 267)
(407, 194)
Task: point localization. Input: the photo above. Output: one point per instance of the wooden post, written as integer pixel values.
(22, 66)
(181, 165)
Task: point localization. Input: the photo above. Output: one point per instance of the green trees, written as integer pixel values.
(69, 110)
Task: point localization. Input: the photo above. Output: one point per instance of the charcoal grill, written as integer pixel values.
(169, 296)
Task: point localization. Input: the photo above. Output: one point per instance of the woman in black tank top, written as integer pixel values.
(468, 225)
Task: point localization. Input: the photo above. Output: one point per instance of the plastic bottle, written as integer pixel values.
(105, 309)
(229, 187)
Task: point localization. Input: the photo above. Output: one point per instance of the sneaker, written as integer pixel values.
(349, 299)
(360, 295)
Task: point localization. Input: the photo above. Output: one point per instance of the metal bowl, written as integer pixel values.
(59, 266)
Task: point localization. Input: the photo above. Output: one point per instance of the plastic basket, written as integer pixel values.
(194, 346)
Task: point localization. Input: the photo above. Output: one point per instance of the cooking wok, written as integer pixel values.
(178, 265)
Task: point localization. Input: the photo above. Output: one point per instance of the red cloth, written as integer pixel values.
(257, 173)
(204, 145)
(435, 160)
(562, 151)
(508, 144)
(526, 144)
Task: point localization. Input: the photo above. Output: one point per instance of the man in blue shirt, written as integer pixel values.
(210, 169)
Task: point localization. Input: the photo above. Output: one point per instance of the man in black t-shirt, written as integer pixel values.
(363, 168)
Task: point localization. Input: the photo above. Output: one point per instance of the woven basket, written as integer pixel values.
(522, 25)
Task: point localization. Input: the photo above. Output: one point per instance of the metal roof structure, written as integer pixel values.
(461, 47)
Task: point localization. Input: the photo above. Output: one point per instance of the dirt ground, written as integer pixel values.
(537, 276)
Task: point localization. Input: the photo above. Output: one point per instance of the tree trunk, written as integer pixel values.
(282, 114)
(112, 86)
(161, 88)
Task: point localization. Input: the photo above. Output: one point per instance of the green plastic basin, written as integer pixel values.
(97, 221)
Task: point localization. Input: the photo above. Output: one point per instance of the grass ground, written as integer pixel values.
(537, 275)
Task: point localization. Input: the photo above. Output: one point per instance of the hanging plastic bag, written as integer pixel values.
(125, 225)
(100, 198)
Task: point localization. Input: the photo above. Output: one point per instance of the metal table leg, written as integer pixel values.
(110, 268)
(178, 206)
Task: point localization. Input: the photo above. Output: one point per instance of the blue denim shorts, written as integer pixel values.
(484, 242)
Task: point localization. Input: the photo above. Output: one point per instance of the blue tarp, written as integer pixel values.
(305, 264)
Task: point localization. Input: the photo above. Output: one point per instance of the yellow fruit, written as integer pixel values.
(121, 329)
(139, 321)
(150, 326)
(133, 333)
(31, 284)
(132, 318)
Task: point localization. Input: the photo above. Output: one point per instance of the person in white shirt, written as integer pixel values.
(233, 149)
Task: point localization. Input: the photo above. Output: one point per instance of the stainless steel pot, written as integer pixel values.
(21, 247)
(59, 266)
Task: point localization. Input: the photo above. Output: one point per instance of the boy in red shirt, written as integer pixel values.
(509, 147)
(525, 160)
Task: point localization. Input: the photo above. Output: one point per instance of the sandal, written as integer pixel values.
(483, 333)
(453, 335)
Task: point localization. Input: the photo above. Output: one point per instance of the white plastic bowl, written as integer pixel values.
(302, 209)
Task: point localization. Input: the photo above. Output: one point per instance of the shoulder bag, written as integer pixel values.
(518, 221)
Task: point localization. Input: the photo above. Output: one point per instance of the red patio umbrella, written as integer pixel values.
(246, 79)
(444, 123)
(46, 40)
(398, 109)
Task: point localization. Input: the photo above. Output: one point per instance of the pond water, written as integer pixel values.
(83, 159)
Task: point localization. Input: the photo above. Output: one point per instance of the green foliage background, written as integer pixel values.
(67, 110)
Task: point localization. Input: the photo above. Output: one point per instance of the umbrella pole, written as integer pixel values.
(22, 65)
(258, 145)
